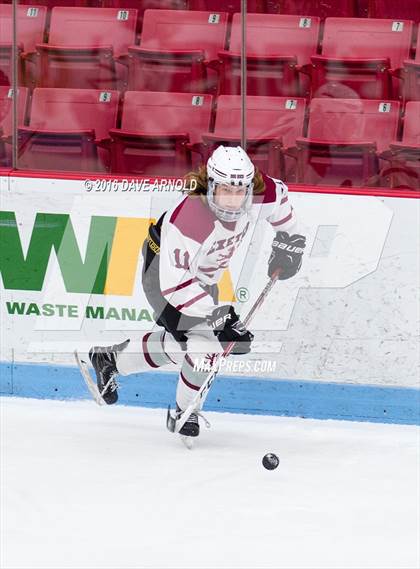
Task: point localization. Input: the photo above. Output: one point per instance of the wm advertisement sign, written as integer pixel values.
(110, 264)
(70, 264)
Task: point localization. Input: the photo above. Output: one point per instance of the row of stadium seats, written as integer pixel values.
(403, 9)
(329, 142)
(189, 51)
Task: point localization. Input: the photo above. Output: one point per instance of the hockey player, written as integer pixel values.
(184, 255)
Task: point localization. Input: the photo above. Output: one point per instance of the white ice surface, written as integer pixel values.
(89, 487)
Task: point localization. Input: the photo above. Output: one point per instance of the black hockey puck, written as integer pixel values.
(270, 461)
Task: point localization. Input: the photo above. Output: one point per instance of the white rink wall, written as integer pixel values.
(350, 316)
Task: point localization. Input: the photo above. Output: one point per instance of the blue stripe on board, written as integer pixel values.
(293, 398)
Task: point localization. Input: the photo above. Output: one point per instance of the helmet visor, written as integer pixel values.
(229, 196)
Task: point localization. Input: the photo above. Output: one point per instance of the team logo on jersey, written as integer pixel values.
(234, 241)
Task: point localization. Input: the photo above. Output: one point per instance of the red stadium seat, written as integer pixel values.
(53, 3)
(362, 8)
(66, 129)
(142, 5)
(404, 156)
(30, 31)
(344, 139)
(277, 47)
(411, 75)
(158, 131)
(176, 50)
(321, 8)
(6, 119)
(272, 123)
(87, 48)
(229, 6)
(397, 9)
(357, 56)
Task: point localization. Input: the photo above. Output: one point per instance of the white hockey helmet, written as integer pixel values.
(230, 166)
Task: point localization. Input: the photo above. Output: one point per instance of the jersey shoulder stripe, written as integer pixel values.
(269, 194)
(193, 218)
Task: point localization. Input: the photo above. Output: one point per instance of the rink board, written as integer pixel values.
(317, 400)
(343, 333)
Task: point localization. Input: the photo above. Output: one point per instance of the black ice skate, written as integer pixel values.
(191, 427)
(104, 363)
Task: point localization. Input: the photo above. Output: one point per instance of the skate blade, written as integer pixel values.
(91, 385)
(187, 441)
(170, 421)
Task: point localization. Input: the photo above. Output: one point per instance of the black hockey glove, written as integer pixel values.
(286, 255)
(227, 327)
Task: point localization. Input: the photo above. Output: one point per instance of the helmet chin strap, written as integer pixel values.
(224, 214)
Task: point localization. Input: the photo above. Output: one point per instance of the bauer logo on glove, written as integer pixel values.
(228, 328)
(289, 248)
(286, 255)
(220, 322)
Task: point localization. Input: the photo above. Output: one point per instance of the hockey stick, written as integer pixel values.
(175, 425)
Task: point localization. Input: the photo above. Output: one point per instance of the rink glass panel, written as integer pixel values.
(149, 88)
